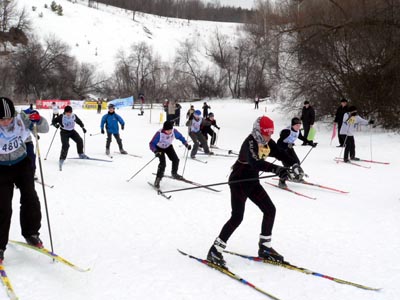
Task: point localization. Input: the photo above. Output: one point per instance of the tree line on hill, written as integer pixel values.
(182, 9)
(320, 51)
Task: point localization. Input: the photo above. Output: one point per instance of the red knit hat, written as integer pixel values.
(266, 126)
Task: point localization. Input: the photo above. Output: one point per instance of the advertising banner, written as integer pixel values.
(122, 102)
(46, 104)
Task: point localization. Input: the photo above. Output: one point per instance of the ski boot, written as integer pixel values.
(107, 151)
(122, 151)
(354, 158)
(60, 164)
(34, 240)
(157, 182)
(282, 183)
(215, 253)
(83, 156)
(267, 252)
(177, 176)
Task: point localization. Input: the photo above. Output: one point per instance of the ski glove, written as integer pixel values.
(34, 116)
(122, 127)
(371, 122)
(298, 172)
(102, 131)
(158, 153)
(57, 126)
(282, 172)
(83, 129)
(189, 147)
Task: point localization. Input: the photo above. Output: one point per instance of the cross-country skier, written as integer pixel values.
(66, 122)
(350, 120)
(111, 120)
(207, 130)
(16, 169)
(286, 141)
(161, 144)
(255, 148)
(196, 135)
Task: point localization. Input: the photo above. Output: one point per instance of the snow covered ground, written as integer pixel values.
(128, 235)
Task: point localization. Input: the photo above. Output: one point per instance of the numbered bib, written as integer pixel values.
(13, 136)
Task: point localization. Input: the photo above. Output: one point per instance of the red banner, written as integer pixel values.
(43, 104)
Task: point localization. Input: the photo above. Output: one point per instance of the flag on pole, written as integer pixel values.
(333, 132)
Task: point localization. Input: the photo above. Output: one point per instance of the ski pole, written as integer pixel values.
(43, 186)
(306, 155)
(51, 143)
(186, 157)
(84, 142)
(93, 134)
(220, 183)
(370, 140)
(141, 169)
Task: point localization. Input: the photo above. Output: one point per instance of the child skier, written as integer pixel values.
(350, 120)
(111, 120)
(196, 135)
(161, 144)
(257, 146)
(66, 122)
(16, 169)
(207, 130)
(287, 138)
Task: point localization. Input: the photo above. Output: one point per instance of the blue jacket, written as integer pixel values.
(111, 121)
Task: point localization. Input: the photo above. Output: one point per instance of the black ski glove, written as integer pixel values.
(102, 131)
(297, 172)
(83, 129)
(282, 172)
(189, 147)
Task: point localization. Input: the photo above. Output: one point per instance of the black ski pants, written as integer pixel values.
(170, 152)
(350, 147)
(198, 138)
(256, 193)
(209, 131)
(73, 135)
(20, 175)
(117, 138)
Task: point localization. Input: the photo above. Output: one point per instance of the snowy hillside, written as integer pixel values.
(128, 235)
(96, 35)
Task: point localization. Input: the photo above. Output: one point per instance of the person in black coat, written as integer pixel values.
(205, 107)
(342, 109)
(245, 183)
(308, 118)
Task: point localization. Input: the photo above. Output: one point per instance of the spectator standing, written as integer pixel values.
(308, 119)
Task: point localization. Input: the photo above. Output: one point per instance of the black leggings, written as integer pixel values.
(256, 193)
(20, 175)
(170, 151)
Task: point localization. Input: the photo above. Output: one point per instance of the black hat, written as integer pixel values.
(67, 109)
(295, 121)
(111, 105)
(7, 109)
(352, 108)
(167, 125)
(306, 102)
(343, 100)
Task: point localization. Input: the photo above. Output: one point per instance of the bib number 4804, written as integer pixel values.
(12, 145)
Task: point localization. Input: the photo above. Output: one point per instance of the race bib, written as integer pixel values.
(13, 136)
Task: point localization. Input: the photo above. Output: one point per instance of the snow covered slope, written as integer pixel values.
(128, 235)
(96, 35)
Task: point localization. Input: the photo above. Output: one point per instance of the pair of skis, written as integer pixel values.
(160, 192)
(310, 184)
(287, 265)
(355, 162)
(55, 257)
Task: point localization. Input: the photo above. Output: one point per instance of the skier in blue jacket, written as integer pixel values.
(111, 120)
(161, 144)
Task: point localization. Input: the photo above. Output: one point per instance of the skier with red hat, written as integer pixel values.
(251, 160)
